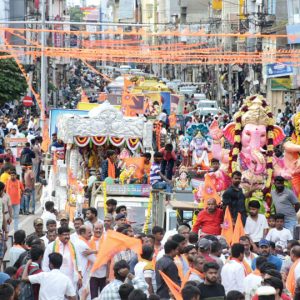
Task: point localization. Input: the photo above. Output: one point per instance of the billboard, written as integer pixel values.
(55, 113)
(279, 70)
(281, 84)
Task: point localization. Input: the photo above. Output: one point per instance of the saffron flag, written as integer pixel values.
(209, 191)
(227, 227)
(173, 287)
(238, 230)
(127, 84)
(113, 242)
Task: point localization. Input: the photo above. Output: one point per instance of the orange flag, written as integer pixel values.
(113, 242)
(173, 287)
(238, 230)
(227, 229)
(127, 84)
(209, 191)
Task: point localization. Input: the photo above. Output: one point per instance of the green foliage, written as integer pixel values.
(76, 15)
(12, 83)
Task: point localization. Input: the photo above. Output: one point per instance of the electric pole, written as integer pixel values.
(43, 63)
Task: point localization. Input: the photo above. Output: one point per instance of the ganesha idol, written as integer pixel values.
(253, 137)
(292, 156)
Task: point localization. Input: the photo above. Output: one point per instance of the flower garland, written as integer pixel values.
(104, 191)
(147, 221)
(237, 146)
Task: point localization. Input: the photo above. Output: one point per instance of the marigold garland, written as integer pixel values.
(104, 191)
(147, 221)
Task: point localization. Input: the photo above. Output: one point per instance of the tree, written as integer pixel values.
(12, 83)
(76, 14)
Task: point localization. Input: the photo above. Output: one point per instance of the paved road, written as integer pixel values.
(26, 222)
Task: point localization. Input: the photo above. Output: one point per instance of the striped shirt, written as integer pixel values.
(154, 173)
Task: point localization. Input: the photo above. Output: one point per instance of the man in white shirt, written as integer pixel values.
(48, 213)
(248, 255)
(71, 263)
(49, 237)
(31, 124)
(54, 285)
(233, 273)
(78, 222)
(91, 215)
(98, 278)
(279, 233)
(256, 224)
(84, 251)
(253, 281)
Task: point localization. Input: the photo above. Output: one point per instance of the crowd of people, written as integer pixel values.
(55, 260)
(192, 262)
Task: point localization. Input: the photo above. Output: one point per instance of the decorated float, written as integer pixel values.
(253, 137)
(87, 139)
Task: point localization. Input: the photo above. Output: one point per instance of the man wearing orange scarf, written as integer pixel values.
(294, 273)
(65, 247)
(82, 245)
(196, 273)
(98, 278)
(180, 259)
(108, 167)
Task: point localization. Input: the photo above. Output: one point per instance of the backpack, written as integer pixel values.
(26, 159)
(26, 290)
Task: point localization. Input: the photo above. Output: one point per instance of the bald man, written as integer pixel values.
(85, 259)
(210, 219)
(98, 278)
(294, 273)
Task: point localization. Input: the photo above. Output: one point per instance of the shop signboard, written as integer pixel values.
(142, 190)
(279, 70)
(281, 84)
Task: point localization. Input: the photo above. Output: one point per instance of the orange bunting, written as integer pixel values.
(227, 227)
(173, 287)
(113, 242)
(238, 230)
